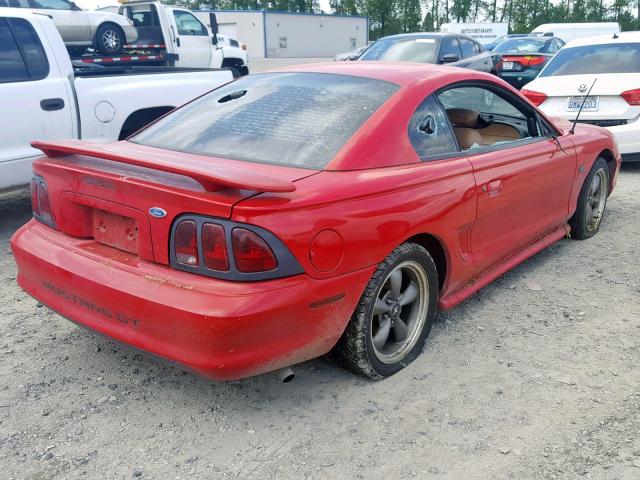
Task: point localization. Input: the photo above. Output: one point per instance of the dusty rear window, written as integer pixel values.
(298, 119)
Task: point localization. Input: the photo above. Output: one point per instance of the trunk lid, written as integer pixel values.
(126, 196)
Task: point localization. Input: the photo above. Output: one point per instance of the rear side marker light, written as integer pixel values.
(214, 247)
(251, 253)
(537, 98)
(186, 243)
(40, 203)
(632, 97)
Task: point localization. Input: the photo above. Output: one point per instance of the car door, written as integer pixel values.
(523, 178)
(473, 57)
(71, 21)
(192, 41)
(35, 103)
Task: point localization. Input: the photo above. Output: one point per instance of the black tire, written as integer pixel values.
(583, 223)
(355, 349)
(109, 39)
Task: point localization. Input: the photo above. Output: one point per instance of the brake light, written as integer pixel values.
(251, 252)
(220, 248)
(40, 204)
(526, 60)
(632, 97)
(537, 98)
(186, 243)
(214, 247)
(35, 205)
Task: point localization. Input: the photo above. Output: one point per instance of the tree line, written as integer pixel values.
(387, 17)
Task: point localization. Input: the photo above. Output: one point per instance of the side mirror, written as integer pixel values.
(450, 58)
(213, 21)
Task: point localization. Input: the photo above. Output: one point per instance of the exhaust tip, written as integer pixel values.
(285, 375)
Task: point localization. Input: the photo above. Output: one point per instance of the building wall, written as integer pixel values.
(296, 35)
(248, 25)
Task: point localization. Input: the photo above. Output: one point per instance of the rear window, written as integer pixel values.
(297, 119)
(521, 45)
(616, 58)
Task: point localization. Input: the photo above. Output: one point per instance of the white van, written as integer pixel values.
(571, 31)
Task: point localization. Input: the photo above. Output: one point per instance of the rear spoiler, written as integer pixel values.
(197, 167)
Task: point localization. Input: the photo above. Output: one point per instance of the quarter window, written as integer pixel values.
(429, 131)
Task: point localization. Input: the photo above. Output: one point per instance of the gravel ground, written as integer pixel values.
(536, 377)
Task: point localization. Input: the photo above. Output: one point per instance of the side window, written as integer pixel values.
(430, 132)
(188, 24)
(560, 43)
(479, 48)
(481, 118)
(552, 47)
(467, 47)
(51, 4)
(12, 67)
(33, 52)
(450, 46)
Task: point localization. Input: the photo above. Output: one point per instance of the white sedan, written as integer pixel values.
(613, 62)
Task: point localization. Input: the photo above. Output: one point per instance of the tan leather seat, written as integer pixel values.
(465, 126)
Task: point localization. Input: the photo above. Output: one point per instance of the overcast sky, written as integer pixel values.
(93, 4)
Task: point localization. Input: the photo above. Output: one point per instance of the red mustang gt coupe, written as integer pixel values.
(286, 214)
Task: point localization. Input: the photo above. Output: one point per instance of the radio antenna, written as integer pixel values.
(573, 128)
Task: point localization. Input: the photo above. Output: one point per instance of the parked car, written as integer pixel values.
(107, 32)
(350, 56)
(613, 62)
(574, 31)
(323, 206)
(490, 46)
(45, 97)
(523, 58)
(439, 48)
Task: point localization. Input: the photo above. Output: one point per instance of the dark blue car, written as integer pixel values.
(490, 46)
(523, 58)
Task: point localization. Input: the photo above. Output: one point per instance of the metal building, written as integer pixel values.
(285, 34)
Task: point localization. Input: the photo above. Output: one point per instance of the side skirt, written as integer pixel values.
(485, 278)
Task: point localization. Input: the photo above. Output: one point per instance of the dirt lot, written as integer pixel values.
(536, 377)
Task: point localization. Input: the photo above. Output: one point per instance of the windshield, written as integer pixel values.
(608, 58)
(403, 50)
(298, 119)
(521, 45)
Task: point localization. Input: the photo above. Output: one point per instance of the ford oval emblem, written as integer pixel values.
(157, 212)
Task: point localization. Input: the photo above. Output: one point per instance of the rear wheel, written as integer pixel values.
(392, 320)
(110, 39)
(592, 201)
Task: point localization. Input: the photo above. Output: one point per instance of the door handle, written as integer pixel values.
(178, 41)
(51, 104)
(492, 188)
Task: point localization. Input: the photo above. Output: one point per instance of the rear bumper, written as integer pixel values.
(628, 138)
(222, 330)
(519, 79)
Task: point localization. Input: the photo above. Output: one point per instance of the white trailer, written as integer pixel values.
(572, 31)
(482, 32)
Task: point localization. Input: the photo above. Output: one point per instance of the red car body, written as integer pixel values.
(477, 214)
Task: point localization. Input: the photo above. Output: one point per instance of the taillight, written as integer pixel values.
(35, 205)
(525, 60)
(537, 98)
(186, 243)
(251, 252)
(228, 250)
(214, 247)
(632, 97)
(40, 204)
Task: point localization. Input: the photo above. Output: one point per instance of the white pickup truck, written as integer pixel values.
(43, 96)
